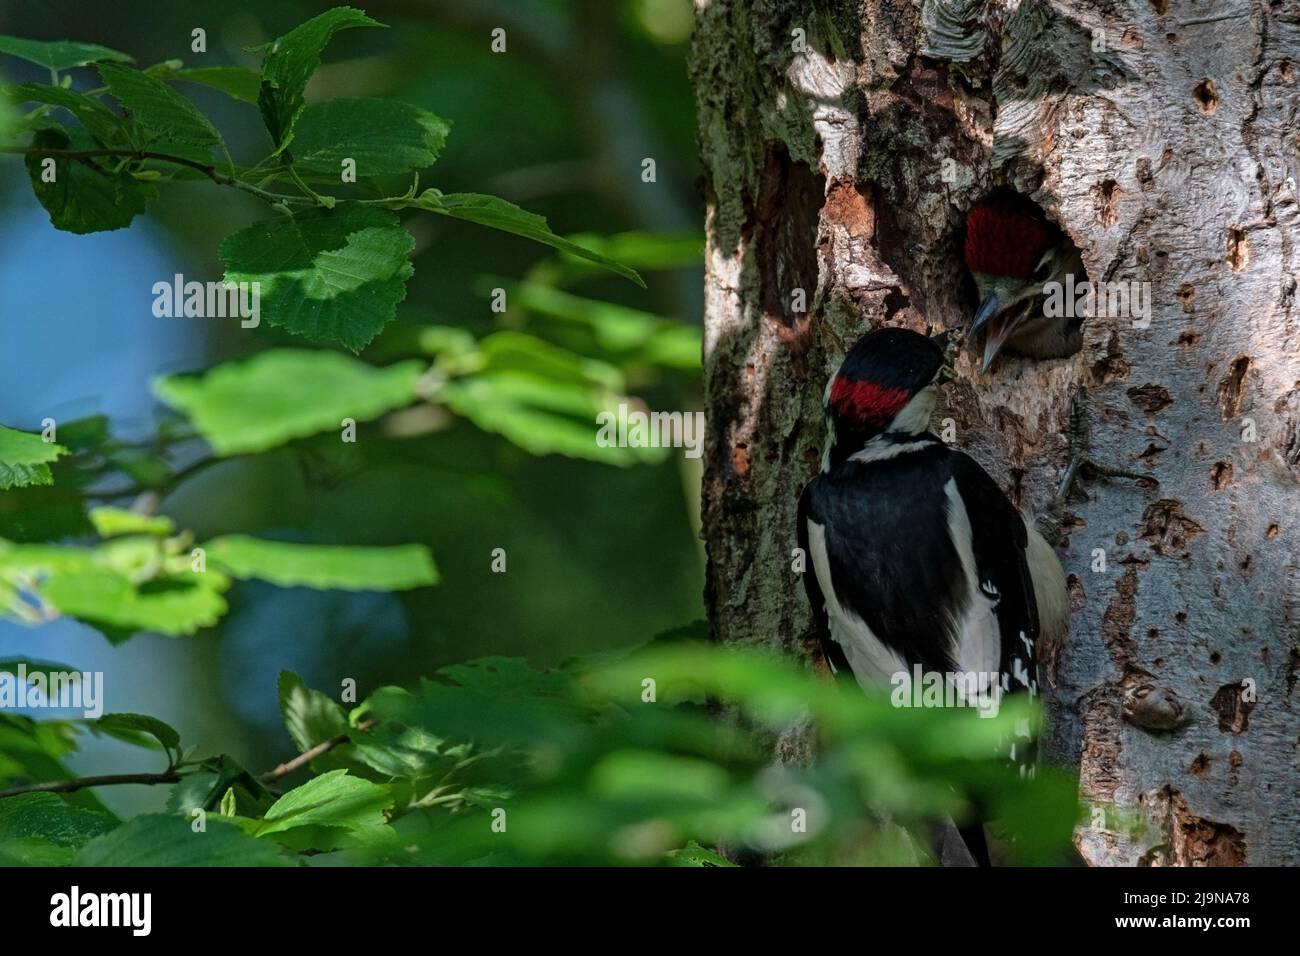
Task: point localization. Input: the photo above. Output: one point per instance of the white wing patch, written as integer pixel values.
(976, 637)
(874, 665)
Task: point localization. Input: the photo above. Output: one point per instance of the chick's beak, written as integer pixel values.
(997, 319)
(988, 308)
(999, 330)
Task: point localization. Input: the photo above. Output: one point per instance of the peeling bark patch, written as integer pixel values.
(1105, 199)
(1196, 841)
(1238, 249)
(1142, 170)
(1150, 398)
(1166, 526)
(1099, 763)
(1232, 387)
(1200, 767)
(1207, 98)
(1117, 621)
(1232, 707)
(1186, 296)
(847, 206)
(1161, 7)
(740, 460)
(1220, 475)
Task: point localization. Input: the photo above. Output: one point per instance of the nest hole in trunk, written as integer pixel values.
(1023, 287)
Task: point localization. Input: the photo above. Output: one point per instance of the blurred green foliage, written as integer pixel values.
(624, 759)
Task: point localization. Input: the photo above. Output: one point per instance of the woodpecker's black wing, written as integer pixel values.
(891, 577)
(999, 540)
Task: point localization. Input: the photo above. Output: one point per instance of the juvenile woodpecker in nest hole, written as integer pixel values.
(916, 556)
(1013, 252)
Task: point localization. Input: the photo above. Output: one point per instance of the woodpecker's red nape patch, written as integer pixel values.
(1004, 239)
(867, 401)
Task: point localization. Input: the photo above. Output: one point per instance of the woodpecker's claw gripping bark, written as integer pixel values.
(1079, 461)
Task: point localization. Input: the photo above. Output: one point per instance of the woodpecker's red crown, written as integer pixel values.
(880, 375)
(1006, 235)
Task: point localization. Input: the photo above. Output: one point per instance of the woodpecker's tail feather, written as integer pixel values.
(956, 846)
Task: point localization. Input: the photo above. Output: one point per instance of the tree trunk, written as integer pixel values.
(843, 141)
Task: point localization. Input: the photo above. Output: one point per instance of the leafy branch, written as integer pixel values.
(214, 174)
(334, 266)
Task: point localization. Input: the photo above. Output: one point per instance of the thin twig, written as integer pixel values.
(307, 756)
(214, 174)
(81, 783)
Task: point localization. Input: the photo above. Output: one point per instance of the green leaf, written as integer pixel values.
(174, 606)
(25, 458)
(284, 394)
(237, 81)
(165, 734)
(158, 108)
(59, 54)
(518, 351)
(165, 841)
(645, 250)
(328, 275)
(617, 328)
(84, 196)
(695, 855)
(333, 799)
(541, 415)
(381, 136)
(32, 751)
(110, 522)
(506, 216)
(310, 716)
(291, 61)
(493, 701)
(324, 566)
(541, 397)
(40, 829)
(191, 793)
(105, 126)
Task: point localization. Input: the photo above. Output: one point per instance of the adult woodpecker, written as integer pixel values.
(1013, 253)
(917, 557)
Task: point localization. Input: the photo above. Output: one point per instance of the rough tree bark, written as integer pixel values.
(842, 142)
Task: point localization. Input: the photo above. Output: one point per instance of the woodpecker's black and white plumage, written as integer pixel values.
(916, 557)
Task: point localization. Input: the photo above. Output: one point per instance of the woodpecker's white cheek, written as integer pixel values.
(915, 416)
